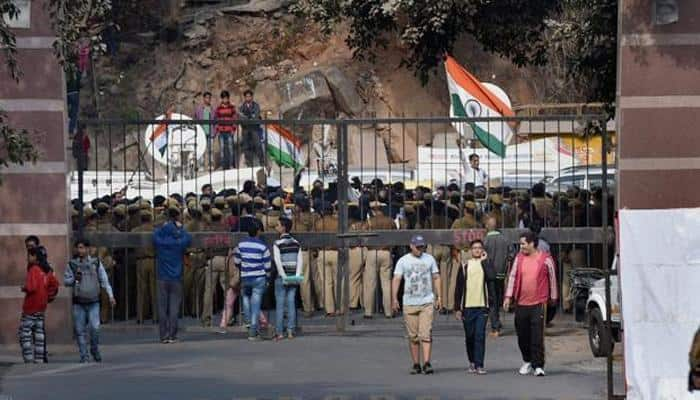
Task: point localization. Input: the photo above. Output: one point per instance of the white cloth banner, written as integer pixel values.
(660, 283)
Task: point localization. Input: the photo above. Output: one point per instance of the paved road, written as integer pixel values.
(369, 362)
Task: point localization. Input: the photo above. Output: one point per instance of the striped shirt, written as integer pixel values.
(287, 255)
(253, 258)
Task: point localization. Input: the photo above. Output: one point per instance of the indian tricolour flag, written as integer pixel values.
(284, 147)
(159, 137)
(473, 99)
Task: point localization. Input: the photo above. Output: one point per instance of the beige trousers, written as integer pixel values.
(378, 263)
(147, 299)
(329, 261)
(312, 285)
(357, 259)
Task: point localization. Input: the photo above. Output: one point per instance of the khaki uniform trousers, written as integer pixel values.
(193, 284)
(312, 285)
(448, 273)
(105, 306)
(147, 299)
(576, 259)
(329, 260)
(357, 259)
(377, 263)
(214, 274)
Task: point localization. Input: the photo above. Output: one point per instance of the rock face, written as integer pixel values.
(367, 150)
(196, 35)
(343, 89)
(263, 73)
(256, 7)
(307, 96)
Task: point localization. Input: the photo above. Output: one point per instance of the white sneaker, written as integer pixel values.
(539, 372)
(526, 369)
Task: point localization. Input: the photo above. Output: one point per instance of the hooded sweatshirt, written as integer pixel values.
(170, 243)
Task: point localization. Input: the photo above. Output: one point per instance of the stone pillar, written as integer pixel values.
(658, 108)
(35, 197)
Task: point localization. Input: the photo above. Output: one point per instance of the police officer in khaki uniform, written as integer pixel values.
(106, 254)
(205, 204)
(215, 273)
(195, 265)
(147, 300)
(378, 262)
(356, 265)
(159, 206)
(496, 203)
(304, 221)
(273, 215)
(103, 214)
(220, 203)
(328, 263)
(443, 256)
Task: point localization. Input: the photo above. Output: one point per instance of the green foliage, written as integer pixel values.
(72, 20)
(76, 20)
(7, 38)
(528, 32)
(15, 146)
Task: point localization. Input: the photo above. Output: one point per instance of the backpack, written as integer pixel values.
(88, 289)
(51, 286)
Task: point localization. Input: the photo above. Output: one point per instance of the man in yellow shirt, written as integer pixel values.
(474, 285)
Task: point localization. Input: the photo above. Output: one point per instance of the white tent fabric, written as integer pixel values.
(660, 283)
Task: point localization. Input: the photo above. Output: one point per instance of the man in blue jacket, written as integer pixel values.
(170, 242)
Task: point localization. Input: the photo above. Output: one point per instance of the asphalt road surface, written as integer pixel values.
(369, 362)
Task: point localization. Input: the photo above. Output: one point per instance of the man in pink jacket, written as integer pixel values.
(532, 284)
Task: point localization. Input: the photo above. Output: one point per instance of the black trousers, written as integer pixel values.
(529, 325)
(496, 302)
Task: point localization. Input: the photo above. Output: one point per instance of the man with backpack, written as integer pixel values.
(87, 276)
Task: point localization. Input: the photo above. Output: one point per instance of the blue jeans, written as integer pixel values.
(228, 157)
(474, 320)
(285, 294)
(86, 317)
(253, 291)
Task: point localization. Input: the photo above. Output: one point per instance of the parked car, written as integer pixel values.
(587, 178)
(601, 341)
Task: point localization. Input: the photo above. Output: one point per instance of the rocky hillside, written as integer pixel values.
(295, 71)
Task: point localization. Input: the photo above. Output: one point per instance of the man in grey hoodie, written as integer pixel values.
(87, 276)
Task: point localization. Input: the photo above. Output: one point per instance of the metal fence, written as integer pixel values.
(554, 175)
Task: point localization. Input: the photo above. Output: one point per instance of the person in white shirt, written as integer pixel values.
(473, 174)
(421, 282)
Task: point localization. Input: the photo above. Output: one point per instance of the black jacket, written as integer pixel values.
(461, 287)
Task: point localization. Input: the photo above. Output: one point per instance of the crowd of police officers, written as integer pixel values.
(376, 206)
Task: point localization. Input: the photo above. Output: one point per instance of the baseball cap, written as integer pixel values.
(418, 241)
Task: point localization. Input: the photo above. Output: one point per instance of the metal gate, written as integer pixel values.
(555, 166)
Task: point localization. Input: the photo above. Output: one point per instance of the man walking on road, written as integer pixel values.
(421, 275)
(531, 285)
(87, 277)
(170, 241)
(252, 257)
(473, 289)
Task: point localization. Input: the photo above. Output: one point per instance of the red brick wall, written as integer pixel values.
(35, 198)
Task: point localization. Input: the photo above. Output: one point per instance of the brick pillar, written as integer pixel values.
(658, 109)
(35, 197)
